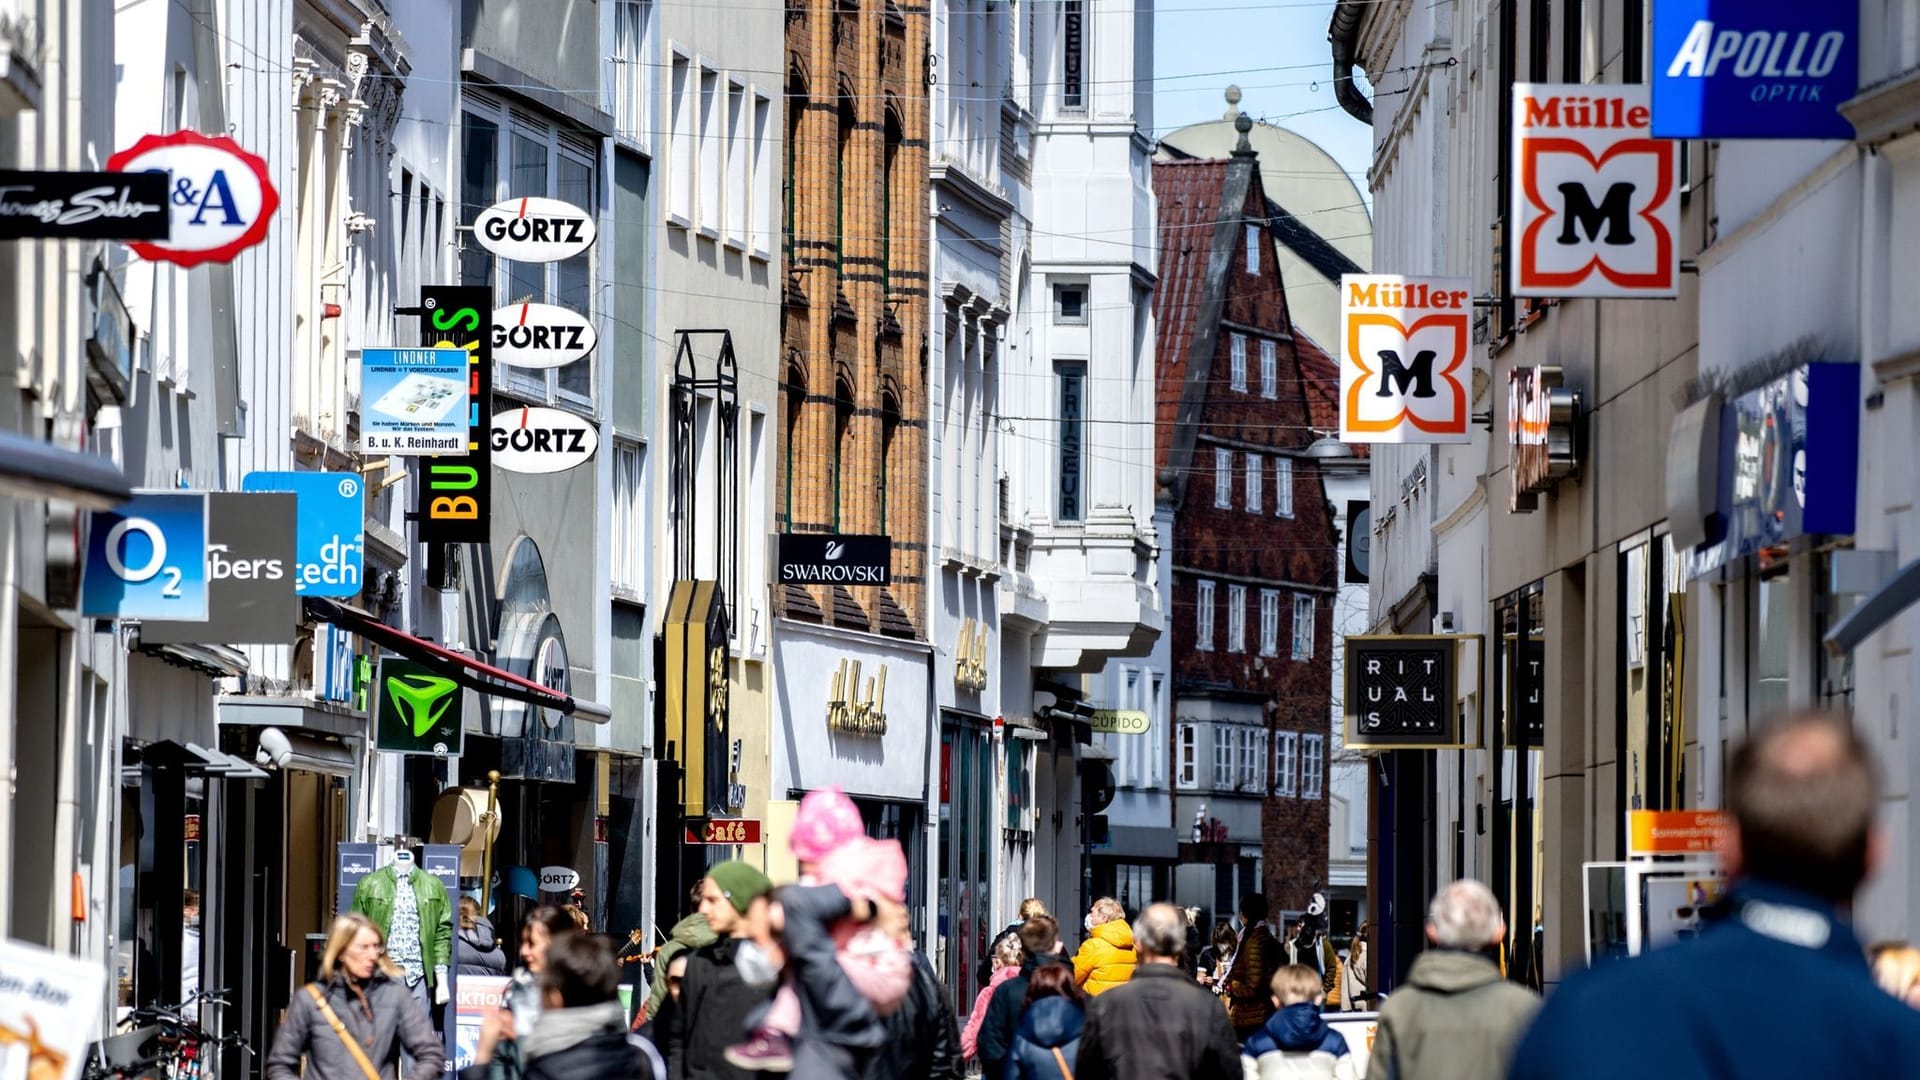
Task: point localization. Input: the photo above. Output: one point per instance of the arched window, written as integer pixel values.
(844, 180)
(889, 426)
(796, 399)
(842, 442)
(889, 198)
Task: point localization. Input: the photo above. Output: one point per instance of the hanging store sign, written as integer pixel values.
(1402, 691)
(534, 230)
(250, 575)
(853, 709)
(538, 336)
(970, 656)
(219, 196)
(698, 667)
(418, 711)
(1542, 431)
(728, 831)
(558, 879)
(832, 559)
(1121, 721)
(541, 440)
(147, 559)
(1405, 364)
(1596, 202)
(454, 501)
(1753, 69)
(83, 206)
(1674, 832)
(330, 531)
(1359, 542)
(417, 401)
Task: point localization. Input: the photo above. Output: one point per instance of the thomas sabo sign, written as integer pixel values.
(1753, 69)
(1404, 361)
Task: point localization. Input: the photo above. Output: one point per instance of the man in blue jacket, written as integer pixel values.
(1778, 985)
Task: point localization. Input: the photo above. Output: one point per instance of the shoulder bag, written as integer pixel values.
(1062, 1060)
(346, 1037)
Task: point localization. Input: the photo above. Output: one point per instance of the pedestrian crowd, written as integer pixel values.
(821, 979)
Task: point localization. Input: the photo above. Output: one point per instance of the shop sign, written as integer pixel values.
(698, 662)
(833, 559)
(853, 709)
(417, 401)
(219, 195)
(147, 559)
(1596, 205)
(535, 440)
(1405, 363)
(1359, 542)
(1401, 692)
(250, 574)
(538, 336)
(49, 1011)
(558, 879)
(454, 502)
(476, 997)
(417, 711)
(1674, 832)
(353, 862)
(83, 206)
(970, 656)
(1542, 418)
(1121, 721)
(534, 230)
(723, 831)
(330, 529)
(1753, 69)
(190, 829)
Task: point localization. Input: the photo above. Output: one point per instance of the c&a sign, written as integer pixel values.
(1405, 368)
(1596, 200)
(219, 196)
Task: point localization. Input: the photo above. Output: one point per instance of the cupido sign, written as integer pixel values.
(219, 196)
(541, 336)
(534, 229)
(1596, 203)
(1405, 363)
(1753, 69)
(532, 439)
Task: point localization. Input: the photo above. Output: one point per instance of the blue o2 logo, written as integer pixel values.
(148, 560)
(119, 546)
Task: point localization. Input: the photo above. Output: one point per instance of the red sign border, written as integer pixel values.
(225, 253)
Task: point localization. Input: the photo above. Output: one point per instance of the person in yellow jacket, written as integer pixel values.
(1105, 959)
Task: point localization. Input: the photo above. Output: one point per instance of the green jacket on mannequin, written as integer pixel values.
(373, 897)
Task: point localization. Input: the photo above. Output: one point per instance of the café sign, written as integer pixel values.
(727, 831)
(1542, 434)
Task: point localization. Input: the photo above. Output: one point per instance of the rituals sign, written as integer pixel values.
(1401, 692)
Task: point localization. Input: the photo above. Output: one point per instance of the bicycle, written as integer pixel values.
(160, 1042)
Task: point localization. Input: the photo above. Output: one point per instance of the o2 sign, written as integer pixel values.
(219, 195)
(147, 559)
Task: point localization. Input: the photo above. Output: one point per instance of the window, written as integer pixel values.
(632, 73)
(739, 166)
(1286, 746)
(1223, 757)
(1572, 30)
(1187, 749)
(711, 166)
(680, 92)
(1253, 483)
(1073, 54)
(1070, 303)
(1283, 487)
(1633, 48)
(1073, 378)
(1222, 478)
(1261, 759)
(1237, 355)
(1253, 249)
(1203, 615)
(1303, 627)
(1248, 771)
(1313, 759)
(1269, 370)
(629, 519)
(1269, 622)
(766, 200)
(1236, 618)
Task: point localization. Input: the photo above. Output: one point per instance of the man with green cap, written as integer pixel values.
(715, 1002)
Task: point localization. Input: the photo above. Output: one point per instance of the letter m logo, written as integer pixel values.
(1396, 377)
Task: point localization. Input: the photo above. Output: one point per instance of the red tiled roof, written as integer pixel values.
(1320, 375)
(1189, 201)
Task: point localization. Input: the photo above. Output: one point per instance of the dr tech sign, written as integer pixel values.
(218, 194)
(1596, 203)
(1753, 69)
(1404, 361)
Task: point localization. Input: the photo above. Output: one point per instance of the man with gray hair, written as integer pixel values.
(1160, 1025)
(1456, 1018)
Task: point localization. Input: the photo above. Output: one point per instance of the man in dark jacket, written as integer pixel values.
(1746, 997)
(715, 1002)
(1161, 1025)
(1249, 981)
(582, 1030)
(1040, 936)
(922, 1037)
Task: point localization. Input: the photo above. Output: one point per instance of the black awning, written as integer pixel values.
(39, 469)
(465, 670)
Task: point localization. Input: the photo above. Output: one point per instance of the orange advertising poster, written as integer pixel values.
(1674, 832)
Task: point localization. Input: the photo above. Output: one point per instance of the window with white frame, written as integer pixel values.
(1248, 770)
(1187, 752)
(1254, 483)
(1157, 707)
(1313, 761)
(1269, 369)
(1237, 360)
(712, 168)
(739, 164)
(1236, 618)
(633, 73)
(1222, 477)
(1203, 615)
(1261, 760)
(629, 519)
(1283, 487)
(1303, 608)
(1225, 756)
(680, 134)
(1269, 622)
(1286, 749)
(1253, 249)
(766, 197)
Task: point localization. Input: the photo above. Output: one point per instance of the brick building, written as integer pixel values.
(1254, 551)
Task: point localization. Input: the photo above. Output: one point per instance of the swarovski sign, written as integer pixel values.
(1542, 435)
(832, 559)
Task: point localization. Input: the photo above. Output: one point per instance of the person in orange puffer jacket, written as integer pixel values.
(1105, 959)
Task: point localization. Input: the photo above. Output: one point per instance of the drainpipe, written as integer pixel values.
(1342, 32)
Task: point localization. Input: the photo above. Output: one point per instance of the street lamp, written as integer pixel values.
(1326, 447)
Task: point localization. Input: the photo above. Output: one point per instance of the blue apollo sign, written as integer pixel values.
(1753, 69)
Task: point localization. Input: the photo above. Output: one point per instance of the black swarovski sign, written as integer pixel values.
(831, 559)
(1401, 692)
(84, 206)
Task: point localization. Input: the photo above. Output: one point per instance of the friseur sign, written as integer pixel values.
(1401, 692)
(832, 559)
(84, 206)
(1753, 69)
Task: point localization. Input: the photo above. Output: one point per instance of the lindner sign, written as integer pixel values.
(1542, 431)
(1401, 692)
(417, 401)
(1596, 202)
(1405, 364)
(454, 501)
(83, 206)
(1753, 69)
(219, 195)
(830, 559)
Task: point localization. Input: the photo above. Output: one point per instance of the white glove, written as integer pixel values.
(440, 995)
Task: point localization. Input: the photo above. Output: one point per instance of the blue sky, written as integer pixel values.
(1275, 50)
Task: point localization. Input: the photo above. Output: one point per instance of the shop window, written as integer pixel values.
(967, 846)
(1518, 731)
(1769, 636)
(1835, 673)
(1652, 653)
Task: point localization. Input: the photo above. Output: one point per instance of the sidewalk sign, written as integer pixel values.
(474, 997)
(50, 1009)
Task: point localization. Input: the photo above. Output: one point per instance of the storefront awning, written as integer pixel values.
(465, 670)
(38, 469)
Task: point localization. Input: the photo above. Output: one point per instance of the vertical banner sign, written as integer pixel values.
(1753, 69)
(455, 500)
(1405, 365)
(1596, 198)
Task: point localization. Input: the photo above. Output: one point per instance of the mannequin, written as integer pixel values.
(411, 908)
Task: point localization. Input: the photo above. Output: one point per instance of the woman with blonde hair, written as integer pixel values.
(352, 1022)
(1007, 958)
(1897, 969)
(1105, 959)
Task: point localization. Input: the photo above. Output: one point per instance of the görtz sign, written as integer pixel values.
(534, 229)
(1753, 69)
(1405, 365)
(1542, 434)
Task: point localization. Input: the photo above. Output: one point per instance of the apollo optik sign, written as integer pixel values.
(1753, 69)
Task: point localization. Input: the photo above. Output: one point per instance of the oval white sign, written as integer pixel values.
(531, 439)
(534, 230)
(541, 336)
(558, 879)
